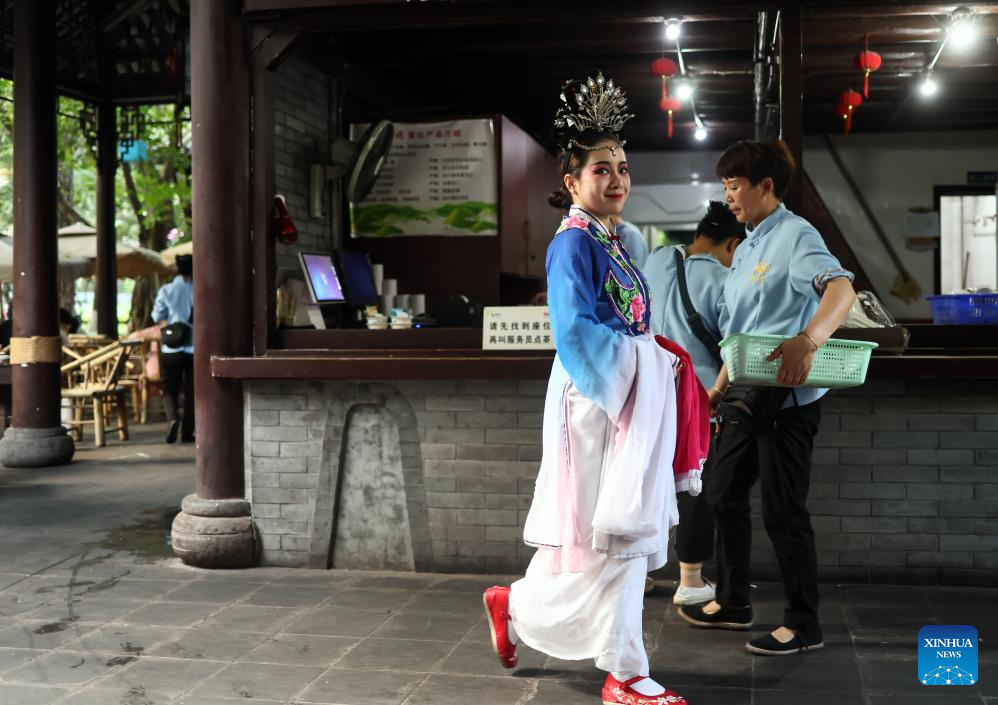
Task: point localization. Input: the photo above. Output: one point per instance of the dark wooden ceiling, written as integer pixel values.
(512, 58)
(125, 50)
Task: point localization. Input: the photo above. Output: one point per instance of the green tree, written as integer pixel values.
(152, 196)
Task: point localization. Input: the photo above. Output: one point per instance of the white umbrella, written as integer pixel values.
(170, 253)
(77, 228)
(69, 267)
(80, 241)
(78, 253)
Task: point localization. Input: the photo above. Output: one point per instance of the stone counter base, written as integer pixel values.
(438, 475)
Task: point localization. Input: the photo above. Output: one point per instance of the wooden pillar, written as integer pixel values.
(107, 270)
(792, 95)
(264, 188)
(215, 529)
(36, 437)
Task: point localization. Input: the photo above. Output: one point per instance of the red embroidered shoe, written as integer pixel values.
(496, 601)
(618, 693)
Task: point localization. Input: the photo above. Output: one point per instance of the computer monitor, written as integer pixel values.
(358, 278)
(322, 278)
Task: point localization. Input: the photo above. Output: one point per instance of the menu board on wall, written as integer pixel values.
(440, 178)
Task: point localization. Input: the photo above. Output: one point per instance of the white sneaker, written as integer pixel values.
(694, 595)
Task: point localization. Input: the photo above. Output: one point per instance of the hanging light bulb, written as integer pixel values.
(684, 90)
(672, 29)
(701, 133)
(962, 32)
(928, 86)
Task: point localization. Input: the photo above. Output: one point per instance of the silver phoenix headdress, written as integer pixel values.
(594, 104)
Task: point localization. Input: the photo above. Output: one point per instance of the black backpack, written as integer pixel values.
(692, 317)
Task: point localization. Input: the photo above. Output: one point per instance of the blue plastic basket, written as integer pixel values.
(966, 309)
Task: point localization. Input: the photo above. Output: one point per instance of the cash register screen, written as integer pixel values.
(358, 277)
(322, 277)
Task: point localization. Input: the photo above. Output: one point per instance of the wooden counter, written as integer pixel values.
(935, 352)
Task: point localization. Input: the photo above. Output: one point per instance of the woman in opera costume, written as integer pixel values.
(605, 496)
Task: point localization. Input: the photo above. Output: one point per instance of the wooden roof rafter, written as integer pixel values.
(110, 49)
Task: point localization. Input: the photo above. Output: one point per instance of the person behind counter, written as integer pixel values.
(582, 595)
(704, 264)
(782, 281)
(174, 307)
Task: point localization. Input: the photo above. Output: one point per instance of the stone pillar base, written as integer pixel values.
(36, 447)
(215, 533)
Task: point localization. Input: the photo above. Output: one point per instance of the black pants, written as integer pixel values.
(780, 458)
(178, 373)
(695, 533)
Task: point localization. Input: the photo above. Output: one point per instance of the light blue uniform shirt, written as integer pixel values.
(174, 303)
(776, 281)
(634, 242)
(705, 280)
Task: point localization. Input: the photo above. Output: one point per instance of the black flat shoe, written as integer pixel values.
(171, 435)
(769, 645)
(187, 439)
(737, 618)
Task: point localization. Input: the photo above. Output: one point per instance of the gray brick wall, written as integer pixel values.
(904, 486)
(905, 483)
(301, 137)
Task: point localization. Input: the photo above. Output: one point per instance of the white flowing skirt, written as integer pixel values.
(595, 613)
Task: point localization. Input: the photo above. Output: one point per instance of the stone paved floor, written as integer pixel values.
(93, 611)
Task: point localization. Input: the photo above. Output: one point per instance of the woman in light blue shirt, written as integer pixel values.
(175, 305)
(705, 265)
(782, 281)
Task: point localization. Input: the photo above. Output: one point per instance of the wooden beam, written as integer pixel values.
(274, 47)
(107, 274)
(123, 13)
(262, 179)
(791, 96)
(352, 14)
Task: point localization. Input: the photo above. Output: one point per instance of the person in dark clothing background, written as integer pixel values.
(7, 327)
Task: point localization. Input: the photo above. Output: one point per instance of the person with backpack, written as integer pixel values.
(686, 283)
(174, 312)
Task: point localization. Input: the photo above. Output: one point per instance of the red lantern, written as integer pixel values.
(669, 105)
(867, 61)
(664, 68)
(848, 102)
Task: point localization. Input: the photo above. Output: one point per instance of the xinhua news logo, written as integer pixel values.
(947, 654)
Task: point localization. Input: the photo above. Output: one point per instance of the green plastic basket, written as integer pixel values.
(837, 364)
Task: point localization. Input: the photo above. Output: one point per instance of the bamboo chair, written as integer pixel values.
(93, 381)
(137, 382)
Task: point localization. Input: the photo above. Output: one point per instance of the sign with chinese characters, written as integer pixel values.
(440, 178)
(516, 328)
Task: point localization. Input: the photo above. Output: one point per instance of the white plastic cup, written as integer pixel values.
(417, 303)
(389, 287)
